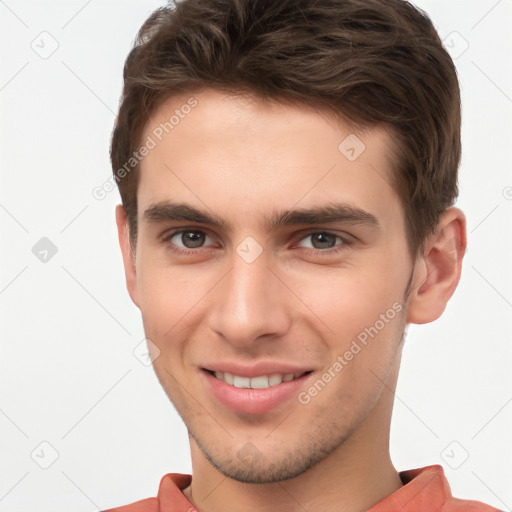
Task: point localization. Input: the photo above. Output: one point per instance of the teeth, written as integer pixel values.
(275, 379)
(242, 382)
(261, 382)
(229, 378)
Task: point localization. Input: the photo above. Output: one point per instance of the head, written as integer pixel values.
(311, 150)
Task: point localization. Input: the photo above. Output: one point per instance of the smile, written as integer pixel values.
(260, 382)
(258, 394)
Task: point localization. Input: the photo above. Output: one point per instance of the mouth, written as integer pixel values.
(258, 382)
(254, 395)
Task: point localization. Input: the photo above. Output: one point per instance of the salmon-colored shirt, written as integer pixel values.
(425, 490)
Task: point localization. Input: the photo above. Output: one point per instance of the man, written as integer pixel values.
(287, 172)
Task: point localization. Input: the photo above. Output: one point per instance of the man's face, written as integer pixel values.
(264, 291)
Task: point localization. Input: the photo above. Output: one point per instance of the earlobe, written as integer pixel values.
(128, 256)
(437, 271)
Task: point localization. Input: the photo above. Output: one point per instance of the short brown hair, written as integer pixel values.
(369, 61)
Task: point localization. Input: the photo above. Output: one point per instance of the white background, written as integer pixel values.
(68, 328)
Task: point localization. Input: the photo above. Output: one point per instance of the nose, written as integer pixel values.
(250, 303)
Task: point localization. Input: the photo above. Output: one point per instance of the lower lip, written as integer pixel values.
(253, 401)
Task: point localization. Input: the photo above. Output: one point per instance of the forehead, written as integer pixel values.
(245, 155)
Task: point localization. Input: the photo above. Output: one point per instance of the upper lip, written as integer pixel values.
(256, 369)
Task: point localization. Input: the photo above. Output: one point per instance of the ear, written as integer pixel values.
(128, 256)
(437, 271)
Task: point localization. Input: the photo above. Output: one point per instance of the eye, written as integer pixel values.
(186, 240)
(323, 241)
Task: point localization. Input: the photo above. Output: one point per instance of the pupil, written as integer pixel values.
(324, 238)
(192, 239)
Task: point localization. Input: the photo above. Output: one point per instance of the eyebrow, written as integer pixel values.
(328, 213)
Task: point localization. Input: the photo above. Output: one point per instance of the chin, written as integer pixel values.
(249, 465)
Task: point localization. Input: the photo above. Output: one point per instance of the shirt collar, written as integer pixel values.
(424, 490)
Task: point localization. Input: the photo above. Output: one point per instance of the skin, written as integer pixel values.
(303, 300)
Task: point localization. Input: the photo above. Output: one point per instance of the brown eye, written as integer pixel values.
(322, 240)
(192, 239)
(188, 239)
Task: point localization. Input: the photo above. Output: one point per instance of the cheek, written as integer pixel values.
(349, 300)
(170, 298)
(160, 297)
(361, 314)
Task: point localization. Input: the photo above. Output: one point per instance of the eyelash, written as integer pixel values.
(346, 242)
